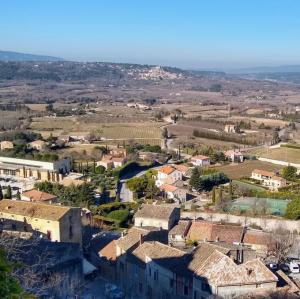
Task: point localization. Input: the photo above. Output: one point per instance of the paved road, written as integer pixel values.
(125, 194)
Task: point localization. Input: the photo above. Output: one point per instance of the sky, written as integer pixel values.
(191, 34)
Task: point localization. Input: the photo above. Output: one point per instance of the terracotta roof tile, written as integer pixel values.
(212, 231)
(109, 251)
(132, 237)
(32, 209)
(160, 253)
(181, 228)
(200, 157)
(155, 211)
(168, 188)
(36, 195)
(263, 172)
(221, 270)
(182, 168)
(167, 169)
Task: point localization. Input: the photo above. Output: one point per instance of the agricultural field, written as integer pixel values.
(267, 121)
(37, 107)
(286, 154)
(142, 132)
(238, 171)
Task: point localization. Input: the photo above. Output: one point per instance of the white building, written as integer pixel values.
(234, 156)
(174, 192)
(268, 179)
(200, 160)
(160, 216)
(167, 175)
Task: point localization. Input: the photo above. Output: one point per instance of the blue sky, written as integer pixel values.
(185, 33)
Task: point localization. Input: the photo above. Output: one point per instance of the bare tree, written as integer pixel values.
(34, 269)
(281, 243)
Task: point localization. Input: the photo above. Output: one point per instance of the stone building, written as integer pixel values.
(55, 223)
(159, 216)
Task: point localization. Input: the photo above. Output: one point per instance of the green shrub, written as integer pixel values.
(120, 216)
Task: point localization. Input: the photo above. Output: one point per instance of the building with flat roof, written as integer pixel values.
(39, 170)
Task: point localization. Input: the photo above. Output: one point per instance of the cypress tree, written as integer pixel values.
(8, 192)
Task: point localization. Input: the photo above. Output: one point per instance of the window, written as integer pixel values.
(195, 295)
(171, 283)
(122, 266)
(149, 292)
(186, 290)
(70, 232)
(149, 271)
(156, 275)
(140, 287)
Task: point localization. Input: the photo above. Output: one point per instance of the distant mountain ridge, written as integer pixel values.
(267, 69)
(16, 56)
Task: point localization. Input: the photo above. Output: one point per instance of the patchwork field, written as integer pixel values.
(37, 107)
(237, 171)
(286, 154)
(143, 132)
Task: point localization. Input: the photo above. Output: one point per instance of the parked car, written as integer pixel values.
(294, 267)
(285, 267)
(273, 266)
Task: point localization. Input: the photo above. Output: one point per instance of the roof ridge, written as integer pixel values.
(216, 251)
(165, 245)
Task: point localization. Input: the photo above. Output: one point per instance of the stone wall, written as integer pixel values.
(267, 224)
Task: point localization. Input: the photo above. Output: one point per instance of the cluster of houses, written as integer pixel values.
(172, 181)
(151, 259)
(39, 145)
(116, 158)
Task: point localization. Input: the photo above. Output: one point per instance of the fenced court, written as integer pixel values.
(267, 206)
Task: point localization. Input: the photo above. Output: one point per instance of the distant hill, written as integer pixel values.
(15, 56)
(268, 69)
(69, 70)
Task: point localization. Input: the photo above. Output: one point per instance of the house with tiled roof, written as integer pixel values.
(167, 174)
(178, 234)
(262, 242)
(6, 144)
(39, 145)
(202, 230)
(269, 179)
(154, 264)
(185, 170)
(53, 222)
(110, 161)
(173, 192)
(234, 156)
(200, 160)
(155, 270)
(219, 275)
(159, 216)
(39, 196)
